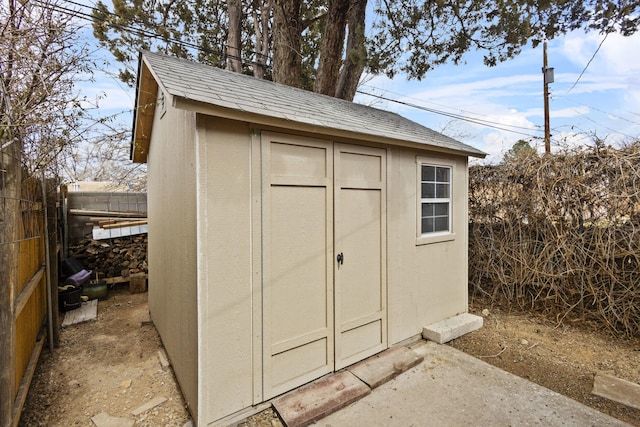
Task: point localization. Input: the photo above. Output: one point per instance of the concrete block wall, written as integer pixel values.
(79, 226)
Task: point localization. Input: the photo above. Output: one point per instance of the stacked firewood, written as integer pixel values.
(118, 257)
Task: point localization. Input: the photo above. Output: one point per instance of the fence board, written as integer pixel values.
(27, 290)
(30, 258)
(28, 323)
(23, 285)
(24, 386)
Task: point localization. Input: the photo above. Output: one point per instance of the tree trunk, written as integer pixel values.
(287, 41)
(261, 29)
(234, 40)
(331, 47)
(356, 54)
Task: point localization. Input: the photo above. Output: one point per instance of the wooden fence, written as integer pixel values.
(28, 307)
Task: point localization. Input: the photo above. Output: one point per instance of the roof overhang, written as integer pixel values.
(144, 110)
(259, 120)
(149, 83)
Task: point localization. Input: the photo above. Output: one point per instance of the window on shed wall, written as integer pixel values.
(435, 189)
(434, 201)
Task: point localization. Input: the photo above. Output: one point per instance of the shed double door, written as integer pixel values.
(324, 258)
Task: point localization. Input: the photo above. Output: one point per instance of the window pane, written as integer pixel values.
(428, 191)
(428, 209)
(442, 191)
(440, 209)
(442, 174)
(428, 173)
(441, 224)
(435, 203)
(427, 225)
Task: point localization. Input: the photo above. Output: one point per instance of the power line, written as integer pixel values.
(480, 122)
(588, 63)
(139, 31)
(607, 113)
(135, 30)
(142, 32)
(445, 106)
(584, 115)
(154, 35)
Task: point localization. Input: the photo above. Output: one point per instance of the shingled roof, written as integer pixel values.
(185, 82)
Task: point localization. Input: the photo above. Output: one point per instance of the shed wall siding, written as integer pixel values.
(225, 254)
(427, 283)
(204, 255)
(172, 243)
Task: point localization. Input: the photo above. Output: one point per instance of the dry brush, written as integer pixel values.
(560, 234)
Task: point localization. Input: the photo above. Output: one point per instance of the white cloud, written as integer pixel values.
(499, 84)
(616, 56)
(565, 84)
(495, 145)
(606, 99)
(571, 140)
(615, 62)
(569, 112)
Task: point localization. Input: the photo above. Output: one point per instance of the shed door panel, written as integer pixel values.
(360, 236)
(320, 316)
(298, 261)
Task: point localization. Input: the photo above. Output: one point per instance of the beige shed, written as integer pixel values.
(291, 234)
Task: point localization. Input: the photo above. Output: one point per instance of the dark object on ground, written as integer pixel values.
(71, 266)
(95, 290)
(69, 298)
(80, 278)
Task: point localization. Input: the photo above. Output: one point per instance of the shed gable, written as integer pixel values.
(190, 85)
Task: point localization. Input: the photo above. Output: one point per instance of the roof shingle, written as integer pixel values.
(203, 83)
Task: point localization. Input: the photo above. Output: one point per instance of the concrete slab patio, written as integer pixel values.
(451, 388)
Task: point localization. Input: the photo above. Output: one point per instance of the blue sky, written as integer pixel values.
(605, 101)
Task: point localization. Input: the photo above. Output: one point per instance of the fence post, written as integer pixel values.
(54, 252)
(10, 179)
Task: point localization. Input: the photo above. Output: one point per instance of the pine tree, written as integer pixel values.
(322, 45)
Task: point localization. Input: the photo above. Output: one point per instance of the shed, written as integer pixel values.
(291, 234)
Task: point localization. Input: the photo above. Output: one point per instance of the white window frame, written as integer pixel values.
(438, 236)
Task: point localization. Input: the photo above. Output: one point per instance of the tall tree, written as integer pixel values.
(414, 36)
(41, 57)
(260, 15)
(287, 42)
(332, 47)
(165, 26)
(322, 44)
(41, 60)
(520, 150)
(355, 59)
(234, 49)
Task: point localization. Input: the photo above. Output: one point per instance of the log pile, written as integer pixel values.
(119, 257)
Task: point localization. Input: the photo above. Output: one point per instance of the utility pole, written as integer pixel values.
(548, 78)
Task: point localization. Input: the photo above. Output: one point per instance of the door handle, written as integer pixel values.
(340, 258)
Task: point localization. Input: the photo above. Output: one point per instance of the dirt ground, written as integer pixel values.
(112, 365)
(109, 365)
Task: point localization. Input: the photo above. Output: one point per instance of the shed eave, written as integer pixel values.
(265, 120)
(143, 113)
